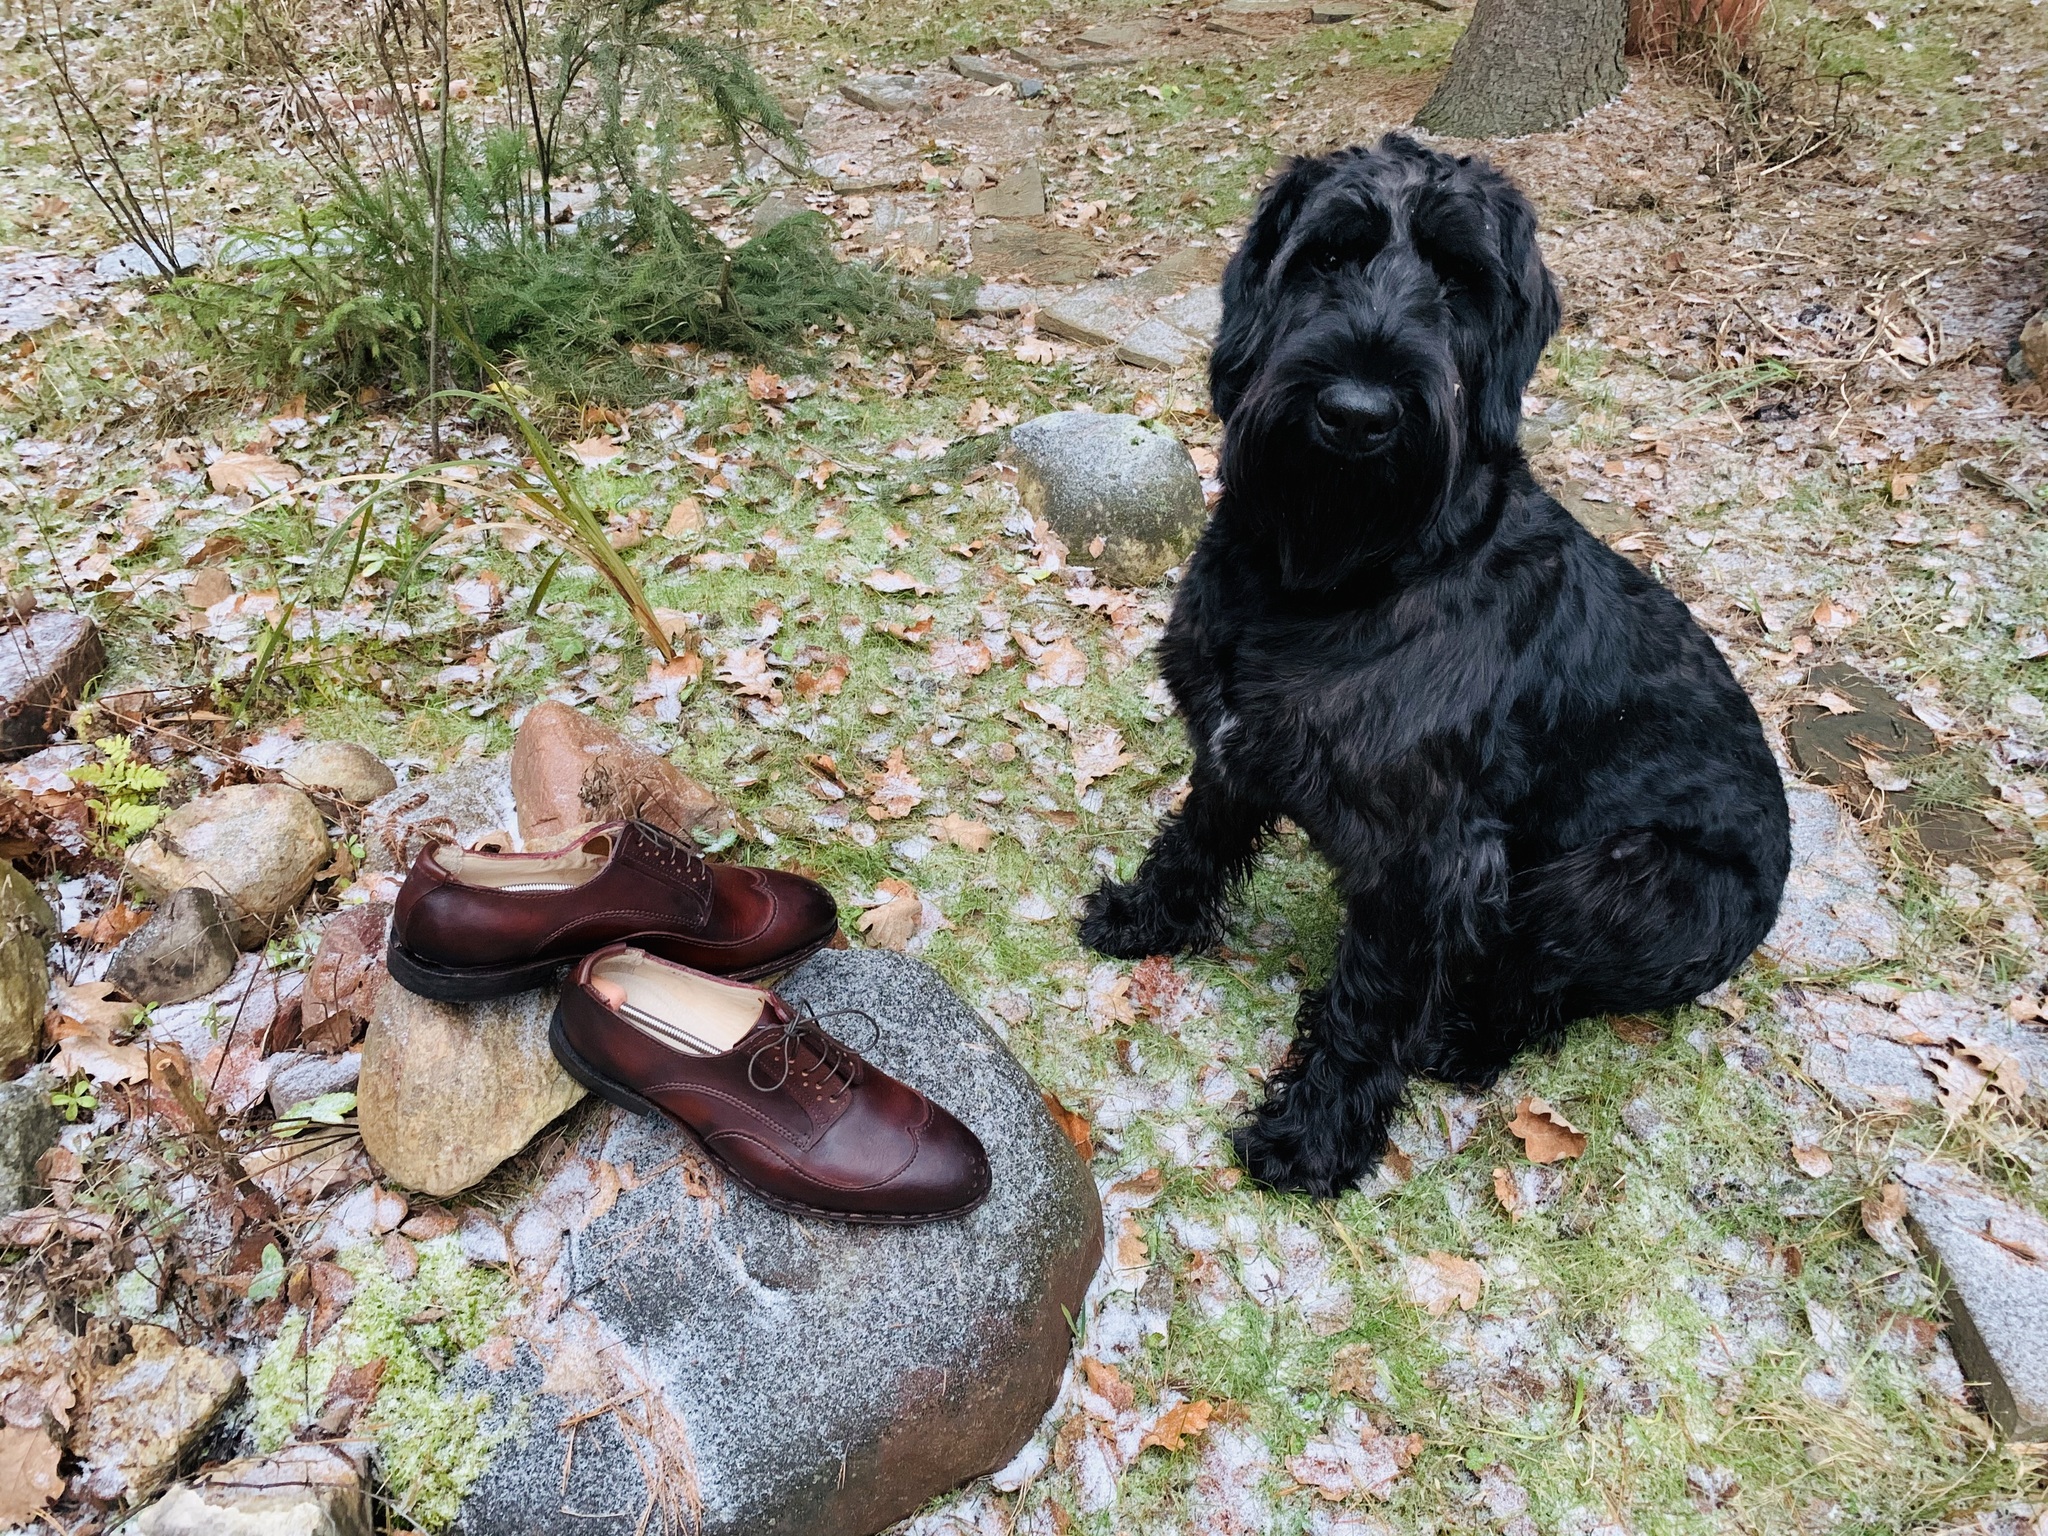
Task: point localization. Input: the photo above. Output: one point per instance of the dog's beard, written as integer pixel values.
(1333, 512)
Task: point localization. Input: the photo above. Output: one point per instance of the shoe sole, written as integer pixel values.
(625, 1098)
(482, 983)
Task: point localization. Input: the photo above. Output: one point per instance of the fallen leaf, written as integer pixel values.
(1884, 776)
(745, 669)
(1959, 1082)
(1355, 1370)
(36, 1379)
(1073, 1124)
(1098, 755)
(684, 518)
(767, 387)
(1884, 1220)
(1107, 1384)
(1439, 1281)
(1036, 349)
(2024, 1252)
(342, 983)
(1635, 1030)
(890, 582)
(1051, 714)
(259, 474)
(591, 452)
(1508, 1193)
(1156, 986)
(1176, 1426)
(111, 926)
(825, 681)
(1061, 664)
(1829, 614)
(1812, 1159)
(974, 836)
(1834, 703)
(350, 1390)
(83, 1027)
(208, 586)
(960, 658)
(478, 596)
(895, 791)
(894, 923)
(666, 685)
(1547, 1137)
(2005, 1073)
(1349, 1463)
(1130, 1253)
(29, 1483)
(1398, 1163)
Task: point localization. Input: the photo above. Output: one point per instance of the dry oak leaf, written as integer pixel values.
(1156, 986)
(826, 681)
(1061, 664)
(1106, 1383)
(259, 474)
(1339, 1467)
(1438, 1281)
(960, 658)
(684, 518)
(1177, 1425)
(767, 387)
(1098, 755)
(111, 926)
(1354, 1370)
(1884, 1220)
(1508, 1193)
(29, 1483)
(890, 582)
(894, 923)
(974, 836)
(1547, 1137)
(83, 1026)
(745, 669)
(896, 791)
(1812, 1159)
(591, 452)
(1072, 1124)
(1969, 1069)
(36, 1372)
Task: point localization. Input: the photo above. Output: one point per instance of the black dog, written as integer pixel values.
(1543, 793)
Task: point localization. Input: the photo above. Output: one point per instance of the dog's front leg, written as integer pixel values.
(1178, 899)
(1323, 1124)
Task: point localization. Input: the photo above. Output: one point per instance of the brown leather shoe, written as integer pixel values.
(470, 925)
(791, 1112)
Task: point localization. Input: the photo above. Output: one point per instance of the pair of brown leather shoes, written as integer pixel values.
(790, 1110)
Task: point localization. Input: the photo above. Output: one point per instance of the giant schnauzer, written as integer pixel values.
(1542, 792)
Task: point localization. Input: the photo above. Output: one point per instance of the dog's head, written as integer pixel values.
(1379, 323)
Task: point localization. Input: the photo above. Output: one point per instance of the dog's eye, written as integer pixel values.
(1327, 258)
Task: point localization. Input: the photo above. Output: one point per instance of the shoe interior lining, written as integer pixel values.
(696, 1014)
(562, 871)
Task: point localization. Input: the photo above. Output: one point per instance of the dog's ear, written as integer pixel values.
(1525, 320)
(1245, 307)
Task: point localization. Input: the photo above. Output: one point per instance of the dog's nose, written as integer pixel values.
(1351, 409)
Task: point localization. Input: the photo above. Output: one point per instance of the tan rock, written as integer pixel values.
(450, 1090)
(342, 769)
(569, 771)
(2034, 344)
(145, 1413)
(26, 928)
(257, 847)
(301, 1490)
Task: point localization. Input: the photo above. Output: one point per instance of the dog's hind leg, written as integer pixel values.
(1178, 900)
(1323, 1125)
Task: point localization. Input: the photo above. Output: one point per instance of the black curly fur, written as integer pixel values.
(1541, 791)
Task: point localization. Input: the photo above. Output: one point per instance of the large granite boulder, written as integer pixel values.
(1123, 498)
(45, 662)
(27, 926)
(772, 1375)
(257, 847)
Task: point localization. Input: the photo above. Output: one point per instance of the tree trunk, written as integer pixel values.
(1522, 66)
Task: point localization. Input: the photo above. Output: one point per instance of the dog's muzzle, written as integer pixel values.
(1355, 418)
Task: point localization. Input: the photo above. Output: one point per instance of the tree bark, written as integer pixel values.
(1522, 66)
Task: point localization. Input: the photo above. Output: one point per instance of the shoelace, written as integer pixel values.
(801, 1026)
(666, 849)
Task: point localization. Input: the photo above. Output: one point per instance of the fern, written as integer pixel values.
(122, 784)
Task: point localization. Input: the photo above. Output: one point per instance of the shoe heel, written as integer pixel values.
(445, 984)
(589, 1076)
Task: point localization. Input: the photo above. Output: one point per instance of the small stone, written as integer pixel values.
(1198, 312)
(903, 221)
(1331, 15)
(28, 1128)
(450, 1090)
(257, 847)
(773, 210)
(885, 93)
(1056, 63)
(146, 1412)
(45, 663)
(1019, 195)
(570, 771)
(2034, 345)
(971, 66)
(1991, 1262)
(1831, 918)
(1157, 345)
(342, 769)
(27, 925)
(483, 1240)
(1008, 299)
(1603, 519)
(1263, 8)
(1110, 477)
(926, 1354)
(131, 260)
(299, 1077)
(184, 951)
(452, 807)
(300, 1490)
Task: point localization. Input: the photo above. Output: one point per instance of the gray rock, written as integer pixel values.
(1832, 918)
(27, 927)
(1054, 62)
(257, 847)
(450, 1090)
(1159, 346)
(1009, 298)
(184, 951)
(1019, 195)
(451, 807)
(1110, 477)
(971, 66)
(299, 1076)
(131, 260)
(342, 769)
(885, 93)
(1100, 315)
(1331, 14)
(144, 1413)
(2034, 345)
(773, 209)
(28, 1129)
(300, 1490)
(901, 221)
(45, 662)
(828, 1379)
(992, 132)
(1995, 1295)
(1850, 1048)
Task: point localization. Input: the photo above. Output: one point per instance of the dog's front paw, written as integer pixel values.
(1123, 921)
(1289, 1163)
